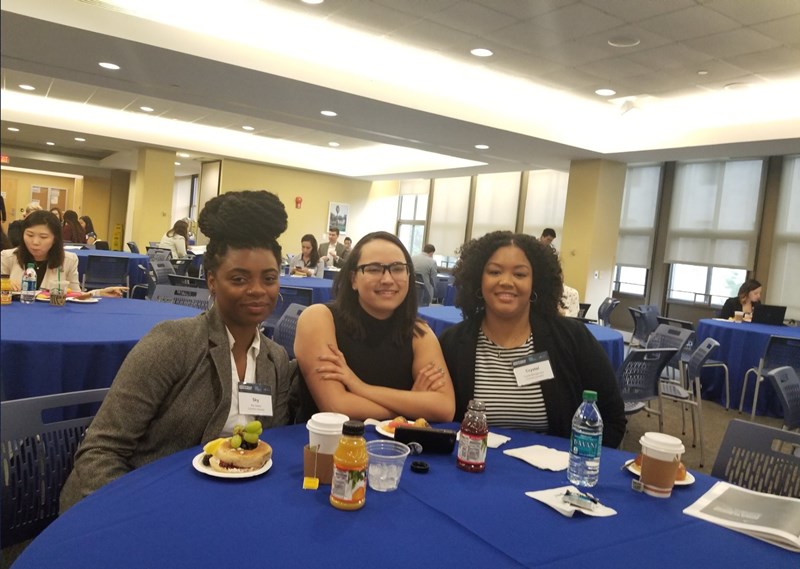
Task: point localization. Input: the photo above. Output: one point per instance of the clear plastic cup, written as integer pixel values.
(386, 460)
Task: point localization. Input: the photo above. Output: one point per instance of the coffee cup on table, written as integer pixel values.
(58, 294)
(738, 316)
(324, 431)
(661, 455)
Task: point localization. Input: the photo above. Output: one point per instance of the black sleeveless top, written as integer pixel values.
(376, 360)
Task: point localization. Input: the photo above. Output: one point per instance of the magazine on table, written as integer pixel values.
(775, 519)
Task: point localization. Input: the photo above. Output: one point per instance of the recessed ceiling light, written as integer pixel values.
(482, 146)
(333, 144)
(27, 87)
(624, 41)
(605, 92)
(481, 52)
(183, 154)
(248, 128)
(106, 65)
(147, 109)
(13, 129)
(79, 139)
(177, 163)
(328, 113)
(702, 72)
(48, 143)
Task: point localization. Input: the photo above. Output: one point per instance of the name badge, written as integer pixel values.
(255, 399)
(532, 369)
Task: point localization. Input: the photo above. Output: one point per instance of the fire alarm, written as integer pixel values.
(298, 202)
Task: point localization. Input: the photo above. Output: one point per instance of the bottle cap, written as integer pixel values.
(477, 405)
(353, 428)
(589, 395)
(420, 466)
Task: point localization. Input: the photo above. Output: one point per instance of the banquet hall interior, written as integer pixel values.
(661, 140)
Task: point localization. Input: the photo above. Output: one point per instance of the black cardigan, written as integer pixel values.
(578, 361)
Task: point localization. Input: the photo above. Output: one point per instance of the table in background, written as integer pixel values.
(48, 349)
(166, 514)
(135, 274)
(741, 345)
(320, 288)
(439, 318)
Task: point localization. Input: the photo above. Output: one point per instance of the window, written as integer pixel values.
(448, 223)
(413, 211)
(702, 284)
(630, 280)
(496, 203)
(545, 203)
(782, 287)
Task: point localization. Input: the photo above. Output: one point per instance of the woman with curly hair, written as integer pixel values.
(180, 385)
(367, 354)
(509, 290)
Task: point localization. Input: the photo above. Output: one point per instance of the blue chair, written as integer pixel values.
(182, 295)
(787, 385)
(37, 457)
(105, 271)
(638, 378)
(604, 311)
(289, 295)
(780, 351)
(133, 247)
(286, 328)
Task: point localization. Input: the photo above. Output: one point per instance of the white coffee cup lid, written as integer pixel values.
(327, 423)
(662, 443)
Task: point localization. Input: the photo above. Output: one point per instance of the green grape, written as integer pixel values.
(236, 441)
(237, 429)
(251, 438)
(253, 427)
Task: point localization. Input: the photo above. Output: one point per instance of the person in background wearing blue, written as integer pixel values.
(426, 267)
(368, 354)
(179, 386)
(748, 296)
(88, 228)
(509, 289)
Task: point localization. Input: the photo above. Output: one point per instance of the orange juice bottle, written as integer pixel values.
(349, 484)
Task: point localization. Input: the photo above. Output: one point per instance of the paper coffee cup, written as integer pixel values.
(661, 455)
(738, 316)
(324, 431)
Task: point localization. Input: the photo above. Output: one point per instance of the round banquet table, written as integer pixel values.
(440, 317)
(47, 349)
(741, 345)
(167, 514)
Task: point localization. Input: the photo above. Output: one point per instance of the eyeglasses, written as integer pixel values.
(377, 270)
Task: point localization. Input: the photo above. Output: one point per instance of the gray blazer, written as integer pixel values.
(172, 392)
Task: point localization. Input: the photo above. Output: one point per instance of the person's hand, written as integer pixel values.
(429, 378)
(333, 367)
(114, 291)
(15, 286)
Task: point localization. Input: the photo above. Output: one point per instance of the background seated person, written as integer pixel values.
(307, 263)
(176, 239)
(570, 302)
(509, 289)
(367, 354)
(748, 296)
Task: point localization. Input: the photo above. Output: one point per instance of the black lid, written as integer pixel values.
(353, 428)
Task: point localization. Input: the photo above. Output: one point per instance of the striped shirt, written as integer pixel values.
(507, 404)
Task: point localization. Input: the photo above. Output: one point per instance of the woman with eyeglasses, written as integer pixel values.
(367, 354)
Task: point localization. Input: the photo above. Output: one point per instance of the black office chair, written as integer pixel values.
(102, 272)
(133, 247)
(37, 457)
(101, 245)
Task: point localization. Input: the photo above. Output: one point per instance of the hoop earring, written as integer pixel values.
(534, 298)
(280, 297)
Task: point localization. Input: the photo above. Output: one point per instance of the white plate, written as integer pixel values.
(689, 480)
(381, 428)
(82, 300)
(197, 462)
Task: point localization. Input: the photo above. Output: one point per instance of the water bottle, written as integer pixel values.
(28, 293)
(585, 442)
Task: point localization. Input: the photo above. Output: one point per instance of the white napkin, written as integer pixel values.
(553, 498)
(541, 457)
(493, 440)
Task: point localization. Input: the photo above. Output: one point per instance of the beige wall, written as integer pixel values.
(317, 190)
(150, 200)
(17, 186)
(96, 204)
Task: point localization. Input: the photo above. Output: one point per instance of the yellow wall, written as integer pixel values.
(96, 202)
(152, 195)
(17, 186)
(317, 190)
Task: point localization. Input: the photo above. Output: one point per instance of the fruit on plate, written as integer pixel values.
(243, 452)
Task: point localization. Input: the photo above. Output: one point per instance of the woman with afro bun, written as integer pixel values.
(509, 290)
(180, 385)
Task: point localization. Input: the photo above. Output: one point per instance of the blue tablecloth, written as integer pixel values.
(320, 288)
(439, 318)
(47, 349)
(450, 295)
(741, 345)
(167, 514)
(135, 274)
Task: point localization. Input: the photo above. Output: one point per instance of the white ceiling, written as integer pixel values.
(400, 75)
